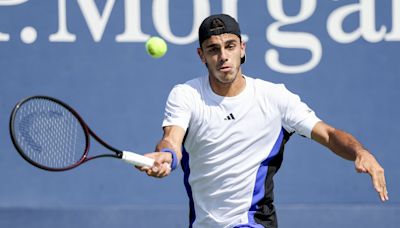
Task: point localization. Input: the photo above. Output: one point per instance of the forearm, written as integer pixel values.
(338, 141)
(172, 139)
(166, 143)
(344, 145)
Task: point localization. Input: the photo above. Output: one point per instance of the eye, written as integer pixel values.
(230, 46)
(213, 50)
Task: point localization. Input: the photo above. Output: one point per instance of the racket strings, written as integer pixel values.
(49, 134)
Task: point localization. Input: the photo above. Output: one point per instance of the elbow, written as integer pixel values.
(324, 134)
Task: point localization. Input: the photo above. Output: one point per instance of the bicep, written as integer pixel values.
(296, 115)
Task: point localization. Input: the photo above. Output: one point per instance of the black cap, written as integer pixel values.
(219, 24)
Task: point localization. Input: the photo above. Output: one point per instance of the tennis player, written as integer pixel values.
(228, 131)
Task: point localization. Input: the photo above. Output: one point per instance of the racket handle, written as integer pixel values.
(137, 159)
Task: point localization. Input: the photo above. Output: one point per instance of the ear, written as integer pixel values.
(242, 49)
(201, 55)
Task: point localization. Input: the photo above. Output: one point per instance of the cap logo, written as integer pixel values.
(217, 26)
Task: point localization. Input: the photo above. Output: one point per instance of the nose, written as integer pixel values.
(224, 55)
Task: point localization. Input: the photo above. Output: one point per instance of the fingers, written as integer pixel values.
(368, 164)
(159, 170)
(379, 182)
(161, 167)
(361, 170)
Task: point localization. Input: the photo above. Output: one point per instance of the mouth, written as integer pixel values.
(225, 68)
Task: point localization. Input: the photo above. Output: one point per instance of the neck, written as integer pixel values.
(228, 89)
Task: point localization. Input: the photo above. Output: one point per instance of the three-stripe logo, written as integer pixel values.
(230, 117)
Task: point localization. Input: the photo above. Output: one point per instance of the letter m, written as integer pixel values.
(96, 21)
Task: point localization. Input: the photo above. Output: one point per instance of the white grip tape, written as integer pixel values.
(137, 159)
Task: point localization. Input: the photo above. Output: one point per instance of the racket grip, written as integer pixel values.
(137, 159)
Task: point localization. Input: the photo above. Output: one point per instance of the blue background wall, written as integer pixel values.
(120, 91)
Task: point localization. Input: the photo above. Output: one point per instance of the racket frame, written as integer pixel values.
(87, 131)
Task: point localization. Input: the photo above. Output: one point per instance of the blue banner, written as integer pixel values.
(341, 57)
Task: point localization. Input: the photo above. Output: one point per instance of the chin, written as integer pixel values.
(226, 79)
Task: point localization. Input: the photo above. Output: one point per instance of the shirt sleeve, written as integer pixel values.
(296, 115)
(177, 109)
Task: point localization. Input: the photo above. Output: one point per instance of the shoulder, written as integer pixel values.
(192, 86)
(267, 88)
(187, 92)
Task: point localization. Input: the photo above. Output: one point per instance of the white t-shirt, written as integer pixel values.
(229, 144)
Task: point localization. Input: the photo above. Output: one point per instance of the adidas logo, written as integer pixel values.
(230, 117)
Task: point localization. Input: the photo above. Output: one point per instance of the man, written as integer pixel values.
(228, 130)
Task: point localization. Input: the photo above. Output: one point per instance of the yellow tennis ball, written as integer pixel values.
(156, 47)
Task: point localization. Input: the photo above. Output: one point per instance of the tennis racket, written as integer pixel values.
(50, 135)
